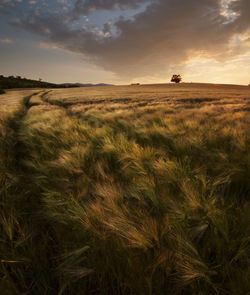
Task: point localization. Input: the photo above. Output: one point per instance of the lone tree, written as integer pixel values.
(176, 79)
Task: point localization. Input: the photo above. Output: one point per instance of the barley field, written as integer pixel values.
(125, 190)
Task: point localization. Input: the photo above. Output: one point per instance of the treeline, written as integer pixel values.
(19, 82)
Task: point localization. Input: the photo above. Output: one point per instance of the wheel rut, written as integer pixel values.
(18, 149)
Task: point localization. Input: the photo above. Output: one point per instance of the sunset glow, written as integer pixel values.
(127, 41)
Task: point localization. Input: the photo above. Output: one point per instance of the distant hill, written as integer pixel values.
(19, 82)
(68, 85)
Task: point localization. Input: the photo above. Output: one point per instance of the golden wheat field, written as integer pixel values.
(125, 190)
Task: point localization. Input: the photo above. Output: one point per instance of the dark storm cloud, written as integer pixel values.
(242, 8)
(164, 36)
(87, 6)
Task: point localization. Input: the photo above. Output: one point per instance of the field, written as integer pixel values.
(125, 190)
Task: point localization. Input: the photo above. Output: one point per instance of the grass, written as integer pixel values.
(126, 190)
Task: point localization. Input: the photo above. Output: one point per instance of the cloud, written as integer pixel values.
(6, 41)
(10, 1)
(242, 8)
(47, 45)
(161, 38)
(88, 6)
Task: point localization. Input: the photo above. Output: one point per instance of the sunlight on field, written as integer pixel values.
(127, 190)
(153, 96)
(12, 100)
(159, 91)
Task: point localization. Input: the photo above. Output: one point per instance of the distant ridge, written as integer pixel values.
(68, 85)
(12, 82)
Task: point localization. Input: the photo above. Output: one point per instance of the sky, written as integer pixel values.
(126, 41)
